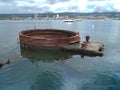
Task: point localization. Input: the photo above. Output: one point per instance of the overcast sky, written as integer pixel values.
(41, 6)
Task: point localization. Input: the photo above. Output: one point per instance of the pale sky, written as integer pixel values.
(43, 6)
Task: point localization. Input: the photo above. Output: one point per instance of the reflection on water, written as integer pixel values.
(49, 55)
(45, 55)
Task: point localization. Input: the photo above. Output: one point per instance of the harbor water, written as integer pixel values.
(55, 70)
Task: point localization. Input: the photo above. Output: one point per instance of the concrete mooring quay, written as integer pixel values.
(86, 48)
(89, 48)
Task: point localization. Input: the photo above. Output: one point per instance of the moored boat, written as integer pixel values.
(69, 20)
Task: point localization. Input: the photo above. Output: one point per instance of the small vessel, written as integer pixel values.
(69, 20)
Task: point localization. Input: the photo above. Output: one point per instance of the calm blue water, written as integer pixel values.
(53, 70)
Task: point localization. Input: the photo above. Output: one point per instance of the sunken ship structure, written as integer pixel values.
(47, 38)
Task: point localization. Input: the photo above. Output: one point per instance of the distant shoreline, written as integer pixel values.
(61, 16)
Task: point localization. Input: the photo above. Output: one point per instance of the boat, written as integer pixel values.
(69, 20)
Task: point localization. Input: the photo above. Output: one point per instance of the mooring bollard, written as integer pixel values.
(87, 38)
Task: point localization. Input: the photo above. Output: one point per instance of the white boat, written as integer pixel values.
(69, 20)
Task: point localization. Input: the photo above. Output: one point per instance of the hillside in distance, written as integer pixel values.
(68, 14)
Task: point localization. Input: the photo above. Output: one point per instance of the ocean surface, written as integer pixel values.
(53, 70)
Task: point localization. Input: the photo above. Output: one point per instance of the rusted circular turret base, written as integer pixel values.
(48, 38)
